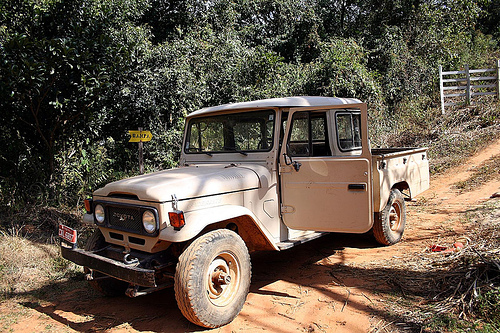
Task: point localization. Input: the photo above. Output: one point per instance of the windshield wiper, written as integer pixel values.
(204, 152)
(236, 150)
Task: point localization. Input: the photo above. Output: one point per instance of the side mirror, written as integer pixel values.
(288, 161)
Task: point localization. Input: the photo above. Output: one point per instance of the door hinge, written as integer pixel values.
(285, 169)
(287, 209)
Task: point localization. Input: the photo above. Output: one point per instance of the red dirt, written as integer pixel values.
(300, 289)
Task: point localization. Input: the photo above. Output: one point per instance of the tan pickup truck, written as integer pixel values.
(261, 175)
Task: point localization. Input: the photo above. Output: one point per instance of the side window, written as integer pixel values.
(284, 118)
(309, 135)
(319, 129)
(299, 135)
(348, 130)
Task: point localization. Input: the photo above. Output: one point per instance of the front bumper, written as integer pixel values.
(128, 273)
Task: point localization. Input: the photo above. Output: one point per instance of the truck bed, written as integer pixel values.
(407, 168)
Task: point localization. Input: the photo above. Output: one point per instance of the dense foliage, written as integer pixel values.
(76, 75)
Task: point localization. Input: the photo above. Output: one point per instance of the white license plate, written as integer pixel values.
(68, 234)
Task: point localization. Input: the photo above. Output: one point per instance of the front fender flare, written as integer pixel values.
(198, 220)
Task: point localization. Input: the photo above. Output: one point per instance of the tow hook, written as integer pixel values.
(128, 260)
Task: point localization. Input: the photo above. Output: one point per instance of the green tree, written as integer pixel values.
(59, 64)
(76, 75)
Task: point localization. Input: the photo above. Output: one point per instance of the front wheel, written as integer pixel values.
(390, 223)
(212, 278)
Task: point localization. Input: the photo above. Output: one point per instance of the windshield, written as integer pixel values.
(238, 132)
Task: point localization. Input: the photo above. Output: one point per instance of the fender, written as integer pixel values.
(384, 195)
(198, 220)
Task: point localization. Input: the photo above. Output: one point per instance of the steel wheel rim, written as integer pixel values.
(223, 277)
(395, 216)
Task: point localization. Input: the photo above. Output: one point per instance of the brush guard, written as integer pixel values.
(142, 280)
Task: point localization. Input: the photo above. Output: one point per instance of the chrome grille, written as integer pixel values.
(125, 218)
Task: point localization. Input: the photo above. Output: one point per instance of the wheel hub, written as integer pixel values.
(394, 217)
(222, 279)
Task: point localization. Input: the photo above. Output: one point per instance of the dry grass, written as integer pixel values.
(29, 250)
(26, 265)
(452, 137)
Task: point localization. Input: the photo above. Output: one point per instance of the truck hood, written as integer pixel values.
(189, 182)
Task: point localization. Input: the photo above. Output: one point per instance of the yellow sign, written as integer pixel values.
(140, 136)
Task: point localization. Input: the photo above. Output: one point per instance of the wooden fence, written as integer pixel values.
(471, 83)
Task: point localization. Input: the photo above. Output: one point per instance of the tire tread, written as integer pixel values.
(381, 229)
(188, 300)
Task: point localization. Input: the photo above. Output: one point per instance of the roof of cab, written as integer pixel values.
(289, 102)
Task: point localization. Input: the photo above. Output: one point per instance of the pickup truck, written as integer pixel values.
(262, 175)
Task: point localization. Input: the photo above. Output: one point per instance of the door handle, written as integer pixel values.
(356, 186)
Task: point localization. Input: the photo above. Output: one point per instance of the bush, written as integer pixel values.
(95, 69)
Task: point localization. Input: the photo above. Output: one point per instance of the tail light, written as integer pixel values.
(177, 219)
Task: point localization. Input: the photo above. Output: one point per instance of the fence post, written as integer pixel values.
(468, 92)
(441, 90)
(498, 80)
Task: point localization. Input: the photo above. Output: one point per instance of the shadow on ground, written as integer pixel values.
(73, 303)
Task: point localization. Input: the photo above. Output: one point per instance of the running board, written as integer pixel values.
(299, 240)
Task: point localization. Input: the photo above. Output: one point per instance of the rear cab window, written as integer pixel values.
(348, 128)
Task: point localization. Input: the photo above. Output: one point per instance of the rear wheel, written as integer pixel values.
(102, 283)
(390, 223)
(212, 278)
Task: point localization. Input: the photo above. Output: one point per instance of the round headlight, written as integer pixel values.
(99, 213)
(149, 221)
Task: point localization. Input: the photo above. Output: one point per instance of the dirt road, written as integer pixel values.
(322, 286)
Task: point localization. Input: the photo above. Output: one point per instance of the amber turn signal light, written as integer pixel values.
(176, 219)
(88, 205)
